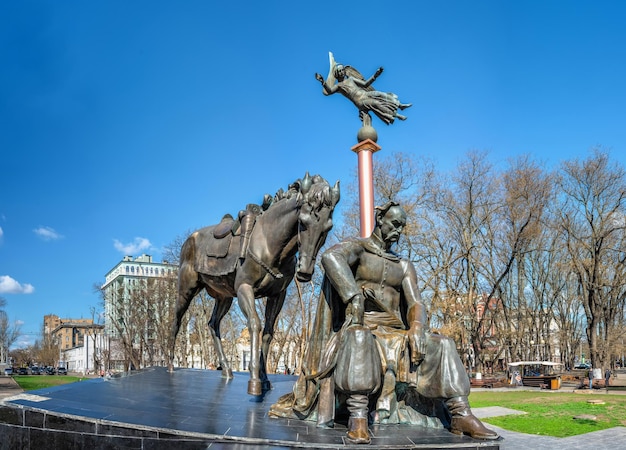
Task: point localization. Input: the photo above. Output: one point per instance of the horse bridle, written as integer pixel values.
(267, 268)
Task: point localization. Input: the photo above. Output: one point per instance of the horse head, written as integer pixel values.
(318, 200)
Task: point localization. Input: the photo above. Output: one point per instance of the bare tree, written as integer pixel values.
(99, 354)
(468, 234)
(465, 207)
(294, 324)
(22, 357)
(46, 350)
(161, 295)
(171, 252)
(131, 305)
(199, 336)
(593, 221)
(400, 177)
(8, 332)
(512, 251)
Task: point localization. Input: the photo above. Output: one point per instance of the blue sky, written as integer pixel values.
(125, 124)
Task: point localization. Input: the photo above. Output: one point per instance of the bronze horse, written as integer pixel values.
(297, 222)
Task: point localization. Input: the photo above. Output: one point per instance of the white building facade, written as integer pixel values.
(122, 279)
(138, 296)
(87, 358)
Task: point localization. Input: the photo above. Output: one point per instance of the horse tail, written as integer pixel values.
(188, 250)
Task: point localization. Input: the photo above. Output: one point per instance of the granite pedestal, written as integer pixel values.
(186, 409)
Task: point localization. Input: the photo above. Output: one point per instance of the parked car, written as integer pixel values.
(35, 370)
(61, 371)
(582, 366)
(50, 370)
(8, 371)
(23, 371)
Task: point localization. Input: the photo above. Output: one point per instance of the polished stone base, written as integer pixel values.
(186, 409)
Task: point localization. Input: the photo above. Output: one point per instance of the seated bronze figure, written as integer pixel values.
(371, 351)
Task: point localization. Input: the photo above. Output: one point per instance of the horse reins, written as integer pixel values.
(267, 268)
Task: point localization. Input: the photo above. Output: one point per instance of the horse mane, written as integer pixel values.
(317, 195)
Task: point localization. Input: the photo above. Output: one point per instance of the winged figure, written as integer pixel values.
(347, 81)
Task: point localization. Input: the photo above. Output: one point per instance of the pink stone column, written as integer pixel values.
(365, 149)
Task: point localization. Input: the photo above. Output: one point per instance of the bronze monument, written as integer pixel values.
(347, 81)
(256, 261)
(371, 351)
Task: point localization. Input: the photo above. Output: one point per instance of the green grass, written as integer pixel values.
(552, 414)
(33, 382)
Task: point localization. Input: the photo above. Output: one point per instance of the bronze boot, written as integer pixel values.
(464, 422)
(326, 404)
(358, 432)
(247, 222)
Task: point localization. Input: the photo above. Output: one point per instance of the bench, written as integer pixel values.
(487, 383)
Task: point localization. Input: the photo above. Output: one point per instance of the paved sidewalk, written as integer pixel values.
(613, 438)
(8, 387)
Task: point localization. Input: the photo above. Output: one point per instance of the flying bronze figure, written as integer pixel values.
(347, 81)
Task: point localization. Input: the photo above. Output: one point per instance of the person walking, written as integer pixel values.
(607, 377)
(590, 375)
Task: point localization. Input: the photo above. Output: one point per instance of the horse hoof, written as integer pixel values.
(254, 387)
(228, 374)
(266, 385)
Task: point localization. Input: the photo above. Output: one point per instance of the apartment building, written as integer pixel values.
(126, 277)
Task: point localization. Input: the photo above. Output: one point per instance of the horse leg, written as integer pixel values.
(272, 309)
(181, 308)
(245, 295)
(221, 307)
(188, 288)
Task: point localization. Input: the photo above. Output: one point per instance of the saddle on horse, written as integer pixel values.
(231, 238)
(240, 227)
(243, 225)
